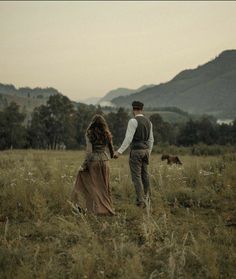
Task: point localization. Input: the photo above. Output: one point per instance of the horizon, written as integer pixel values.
(86, 49)
(100, 97)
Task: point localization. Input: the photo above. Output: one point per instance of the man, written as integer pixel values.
(139, 136)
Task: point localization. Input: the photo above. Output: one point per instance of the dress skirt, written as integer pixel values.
(92, 189)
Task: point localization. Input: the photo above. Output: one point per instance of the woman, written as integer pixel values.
(93, 176)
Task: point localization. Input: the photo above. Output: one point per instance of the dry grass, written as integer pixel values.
(188, 230)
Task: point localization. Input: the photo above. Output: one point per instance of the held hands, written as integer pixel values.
(116, 155)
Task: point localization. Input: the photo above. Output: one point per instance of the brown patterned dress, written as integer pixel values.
(92, 188)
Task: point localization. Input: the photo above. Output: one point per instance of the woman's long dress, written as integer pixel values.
(92, 188)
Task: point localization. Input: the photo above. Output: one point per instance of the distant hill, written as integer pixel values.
(208, 89)
(89, 101)
(27, 98)
(106, 100)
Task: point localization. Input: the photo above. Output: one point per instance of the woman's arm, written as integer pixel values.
(111, 148)
(88, 150)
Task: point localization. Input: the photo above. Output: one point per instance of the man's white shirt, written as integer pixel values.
(131, 128)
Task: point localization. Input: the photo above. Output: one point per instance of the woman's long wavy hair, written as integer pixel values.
(98, 131)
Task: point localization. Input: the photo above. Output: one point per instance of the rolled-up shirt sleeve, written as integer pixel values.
(131, 128)
(150, 140)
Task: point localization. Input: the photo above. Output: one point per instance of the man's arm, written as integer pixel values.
(150, 140)
(131, 128)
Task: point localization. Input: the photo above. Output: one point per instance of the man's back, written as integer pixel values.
(142, 133)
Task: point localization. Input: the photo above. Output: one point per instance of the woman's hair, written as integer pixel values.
(98, 131)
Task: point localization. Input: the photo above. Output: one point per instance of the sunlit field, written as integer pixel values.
(188, 230)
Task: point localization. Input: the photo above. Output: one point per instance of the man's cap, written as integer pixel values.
(137, 105)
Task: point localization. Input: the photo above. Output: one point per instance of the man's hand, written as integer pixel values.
(116, 155)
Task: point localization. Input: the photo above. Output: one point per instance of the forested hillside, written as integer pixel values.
(210, 89)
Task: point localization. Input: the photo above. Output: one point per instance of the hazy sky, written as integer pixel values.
(86, 49)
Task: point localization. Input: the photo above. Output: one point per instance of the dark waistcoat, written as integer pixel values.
(142, 133)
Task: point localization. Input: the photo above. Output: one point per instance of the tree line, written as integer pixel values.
(62, 124)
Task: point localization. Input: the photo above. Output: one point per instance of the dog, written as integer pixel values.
(171, 159)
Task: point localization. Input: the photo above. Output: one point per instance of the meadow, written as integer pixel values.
(187, 231)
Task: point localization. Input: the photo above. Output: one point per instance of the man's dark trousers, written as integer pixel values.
(138, 162)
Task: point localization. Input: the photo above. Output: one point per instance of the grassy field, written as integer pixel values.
(188, 231)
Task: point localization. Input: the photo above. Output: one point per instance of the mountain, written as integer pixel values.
(27, 98)
(207, 89)
(106, 100)
(90, 101)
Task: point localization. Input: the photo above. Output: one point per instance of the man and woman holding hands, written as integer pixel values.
(92, 181)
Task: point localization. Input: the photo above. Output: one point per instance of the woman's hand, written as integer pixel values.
(116, 155)
(82, 168)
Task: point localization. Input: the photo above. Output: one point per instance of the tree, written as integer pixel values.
(38, 134)
(233, 132)
(53, 125)
(62, 121)
(207, 131)
(84, 115)
(163, 132)
(12, 131)
(189, 134)
(117, 123)
(226, 133)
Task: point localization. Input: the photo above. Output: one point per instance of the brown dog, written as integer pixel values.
(171, 159)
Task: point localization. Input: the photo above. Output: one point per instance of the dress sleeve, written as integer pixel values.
(111, 148)
(89, 150)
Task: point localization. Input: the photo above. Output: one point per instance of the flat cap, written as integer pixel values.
(137, 105)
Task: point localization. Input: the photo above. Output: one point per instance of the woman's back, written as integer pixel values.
(99, 136)
(93, 179)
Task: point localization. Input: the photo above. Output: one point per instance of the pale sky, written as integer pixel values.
(85, 49)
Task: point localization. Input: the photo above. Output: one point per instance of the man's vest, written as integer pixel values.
(142, 133)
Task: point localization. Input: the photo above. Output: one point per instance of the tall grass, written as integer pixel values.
(187, 231)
